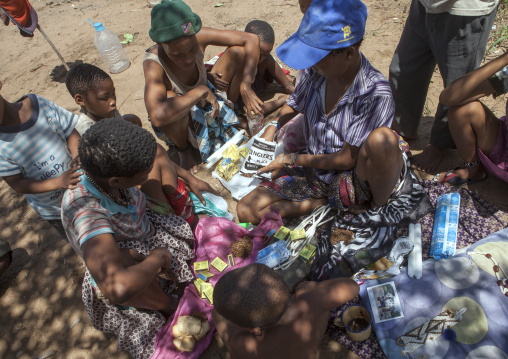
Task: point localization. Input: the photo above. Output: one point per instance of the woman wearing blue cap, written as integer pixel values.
(353, 160)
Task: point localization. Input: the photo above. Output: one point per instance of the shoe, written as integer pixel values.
(456, 181)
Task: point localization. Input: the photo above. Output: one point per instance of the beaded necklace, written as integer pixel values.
(501, 282)
(126, 199)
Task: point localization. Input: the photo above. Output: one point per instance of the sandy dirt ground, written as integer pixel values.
(41, 312)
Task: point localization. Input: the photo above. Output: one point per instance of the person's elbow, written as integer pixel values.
(117, 291)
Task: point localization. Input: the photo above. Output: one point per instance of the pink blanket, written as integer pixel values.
(213, 236)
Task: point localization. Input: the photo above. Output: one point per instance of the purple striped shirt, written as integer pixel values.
(366, 105)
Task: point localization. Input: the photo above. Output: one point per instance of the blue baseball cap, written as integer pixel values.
(327, 25)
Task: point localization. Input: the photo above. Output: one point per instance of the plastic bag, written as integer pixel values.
(215, 206)
(239, 185)
(274, 254)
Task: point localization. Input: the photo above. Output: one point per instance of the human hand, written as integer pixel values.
(70, 178)
(165, 257)
(251, 101)
(209, 97)
(197, 186)
(274, 167)
(216, 79)
(269, 133)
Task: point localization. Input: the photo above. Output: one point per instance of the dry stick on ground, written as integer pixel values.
(54, 48)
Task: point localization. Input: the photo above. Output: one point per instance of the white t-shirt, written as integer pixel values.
(460, 7)
(38, 150)
(85, 122)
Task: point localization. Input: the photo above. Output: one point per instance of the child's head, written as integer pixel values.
(304, 5)
(266, 36)
(114, 148)
(93, 90)
(251, 297)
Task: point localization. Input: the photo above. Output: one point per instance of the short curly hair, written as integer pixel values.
(263, 29)
(83, 78)
(251, 296)
(116, 148)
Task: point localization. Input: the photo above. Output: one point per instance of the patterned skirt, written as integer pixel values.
(136, 328)
(345, 190)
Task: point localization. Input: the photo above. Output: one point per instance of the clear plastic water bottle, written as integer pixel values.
(110, 49)
(255, 124)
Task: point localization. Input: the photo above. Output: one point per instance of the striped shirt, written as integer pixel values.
(87, 213)
(366, 105)
(38, 150)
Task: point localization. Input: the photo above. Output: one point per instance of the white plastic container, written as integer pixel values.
(110, 49)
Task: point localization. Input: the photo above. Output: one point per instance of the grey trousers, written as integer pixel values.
(456, 43)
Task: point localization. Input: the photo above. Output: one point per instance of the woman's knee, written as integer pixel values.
(381, 143)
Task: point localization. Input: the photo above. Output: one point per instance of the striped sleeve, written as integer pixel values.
(299, 96)
(89, 224)
(66, 119)
(375, 112)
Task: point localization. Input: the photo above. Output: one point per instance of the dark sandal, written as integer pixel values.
(456, 181)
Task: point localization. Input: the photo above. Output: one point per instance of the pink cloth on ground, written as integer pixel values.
(497, 162)
(213, 237)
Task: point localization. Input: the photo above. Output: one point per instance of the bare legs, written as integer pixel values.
(472, 126)
(379, 163)
(153, 297)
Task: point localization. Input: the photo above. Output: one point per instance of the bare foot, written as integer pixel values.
(472, 174)
(187, 160)
(429, 159)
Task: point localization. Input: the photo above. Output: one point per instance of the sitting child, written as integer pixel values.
(268, 69)
(94, 91)
(257, 317)
(37, 143)
(481, 138)
(126, 246)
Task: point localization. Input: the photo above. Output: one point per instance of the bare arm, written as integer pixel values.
(195, 184)
(68, 180)
(345, 159)
(72, 143)
(165, 106)
(329, 294)
(117, 282)
(250, 43)
(285, 114)
(473, 85)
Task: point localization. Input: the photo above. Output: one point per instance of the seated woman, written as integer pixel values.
(176, 78)
(480, 137)
(353, 161)
(126, 247)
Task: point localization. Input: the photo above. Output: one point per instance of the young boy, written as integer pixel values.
(37, 143)
(268, 69)
(257, 317)
(94, 91)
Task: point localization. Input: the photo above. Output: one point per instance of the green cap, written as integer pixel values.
(173, 19)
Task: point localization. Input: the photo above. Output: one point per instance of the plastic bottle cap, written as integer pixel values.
(98, 26)
(449, 334)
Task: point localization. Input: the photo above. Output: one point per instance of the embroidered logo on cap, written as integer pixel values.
(347, 33)
(188, 29)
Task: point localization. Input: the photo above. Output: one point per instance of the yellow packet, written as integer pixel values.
(233, 153)
(244, 151)
(219, 264)
(282, 233)
(199, 266)
(209, 293)
(307, 251)
(227, 170)
(204, 288)
(197, 283)
(298, 234)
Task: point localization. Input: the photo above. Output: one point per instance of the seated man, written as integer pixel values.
(257, 317)
(176, 78)
(353, 161)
